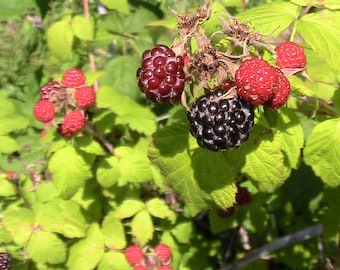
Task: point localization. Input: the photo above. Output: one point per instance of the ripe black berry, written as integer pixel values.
(161, 76)
(218, 122)
(5, 261)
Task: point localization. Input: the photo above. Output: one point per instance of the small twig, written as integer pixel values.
(109, 147)
(276, 244)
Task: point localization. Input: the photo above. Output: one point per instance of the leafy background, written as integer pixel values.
(159, 186)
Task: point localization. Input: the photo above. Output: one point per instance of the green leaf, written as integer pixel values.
(292, 136)
(86, 253)
(46, 191)
(60, 39)
(322, 151)
(219, 224)
(69, 174)
(120, 74)
(89, 145)
(265, 161)
(12, 122)
(64, 217)
(14, 8)
(331, 4)
(9, 145)
(113, 232)
(19, 223)
(113, 260)
(7, 188)
(183, 232)
(128, 208)
(108, 172)
(281, 15)
(128, 112)
(169, 152)
(142, 227)
(214, 23)
(299, 87)
(158, 208)
(121, 6)
(133, 163)
(46, 247)
(215, 176)
(82, 27)
(321, 31)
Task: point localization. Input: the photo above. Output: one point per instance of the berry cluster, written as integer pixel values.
(158, 258)
(5, 261)
(64, 104)
(224, 116)
(242, 197)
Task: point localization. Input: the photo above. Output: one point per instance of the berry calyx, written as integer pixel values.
(256, 81)
(73, 122)
(5, 261)
(282, 92)
(161, 77)
(219, 123)
(49, 89)
(85, 97)
(290, 55)
(134, 254)
(44, 111)
(73, 78)
(163, 252)
(243, 196)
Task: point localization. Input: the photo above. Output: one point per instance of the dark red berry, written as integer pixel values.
(49, 89)
(161, 76)
(243, 196)
(5, 261)
(225, 213)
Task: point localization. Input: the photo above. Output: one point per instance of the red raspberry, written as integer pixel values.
(163, 252)
(11, 176)
(165, 267)
(85, 97)
(44, 111)
(161, 76)
(63, 132)
(49, 89)
(225, 213)
(256, 81)
(243, 196)
(139, 267)
(282, 92)
(134, 254)
(290, 55)
(73, 78)
(73, 122)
